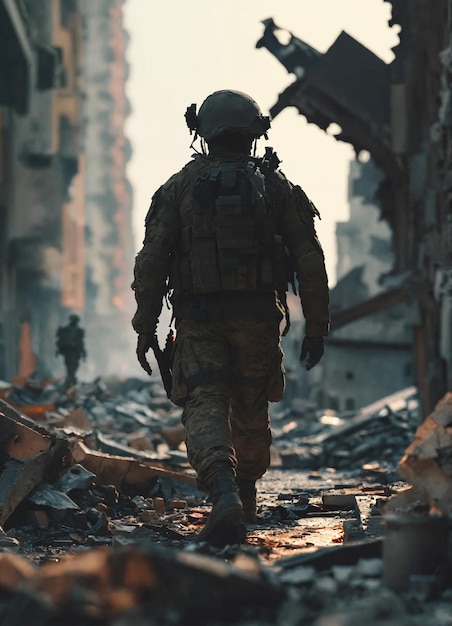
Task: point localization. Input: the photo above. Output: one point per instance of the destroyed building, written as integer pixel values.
(401, 114)
(373, 356)
(66, 235)
(99, 507)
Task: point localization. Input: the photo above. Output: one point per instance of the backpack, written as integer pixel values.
(233, 243)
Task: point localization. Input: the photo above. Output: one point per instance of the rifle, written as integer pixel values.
(163, 358)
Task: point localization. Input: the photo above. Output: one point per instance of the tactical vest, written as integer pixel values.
(69, 338)
(230, 242)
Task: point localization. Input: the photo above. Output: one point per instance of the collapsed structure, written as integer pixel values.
(65, 220)
(401, 114)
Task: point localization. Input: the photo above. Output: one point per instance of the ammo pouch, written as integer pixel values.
(233, 244)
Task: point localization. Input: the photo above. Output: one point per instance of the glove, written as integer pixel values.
(312, 348)
(144, 343)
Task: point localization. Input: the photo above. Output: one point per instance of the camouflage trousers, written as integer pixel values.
(224, 374)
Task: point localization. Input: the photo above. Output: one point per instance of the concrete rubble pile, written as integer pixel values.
(375, 435)
(99, 510)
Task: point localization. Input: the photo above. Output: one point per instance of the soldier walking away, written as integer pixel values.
(70, 343)
(224, 238)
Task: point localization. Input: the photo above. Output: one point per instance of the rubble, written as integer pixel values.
(27, 456)
(427, 462)
(102, 584)
(122, 506)
(418, 539)
(374, 435)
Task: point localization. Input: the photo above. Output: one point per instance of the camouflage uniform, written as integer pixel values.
(227, 358)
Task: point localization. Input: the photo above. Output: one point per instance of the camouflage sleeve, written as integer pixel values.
(152, 263)
(300, 237)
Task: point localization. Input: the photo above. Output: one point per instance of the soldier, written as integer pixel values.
(220, 237)
(70, 344)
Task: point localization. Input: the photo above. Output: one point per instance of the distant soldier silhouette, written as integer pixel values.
(70, 344)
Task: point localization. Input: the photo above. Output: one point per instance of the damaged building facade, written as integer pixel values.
(373, 356)
(401, 114)
(65, 233)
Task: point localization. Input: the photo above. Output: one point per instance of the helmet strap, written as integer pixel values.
(202, 143)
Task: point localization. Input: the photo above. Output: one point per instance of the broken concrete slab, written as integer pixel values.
(127, 474)
(337, 500)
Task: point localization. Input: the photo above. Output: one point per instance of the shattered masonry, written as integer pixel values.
(401, 114)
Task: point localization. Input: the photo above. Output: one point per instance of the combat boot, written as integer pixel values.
(225, 524)
(247, 492)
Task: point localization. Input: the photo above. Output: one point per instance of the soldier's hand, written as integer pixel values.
(143, 345)
(313, 349)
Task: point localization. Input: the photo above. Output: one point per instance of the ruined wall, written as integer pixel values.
(40, 160)
(401, 114)
(421, 78)
(44, 196)
(372, 357)
(62, 251)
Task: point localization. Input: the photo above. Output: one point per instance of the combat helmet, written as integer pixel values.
(227, 111)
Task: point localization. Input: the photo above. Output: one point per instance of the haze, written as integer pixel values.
(182, 51)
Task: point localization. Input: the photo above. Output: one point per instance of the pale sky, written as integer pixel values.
(182, 50)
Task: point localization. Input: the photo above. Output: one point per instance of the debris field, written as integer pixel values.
(99, 514)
